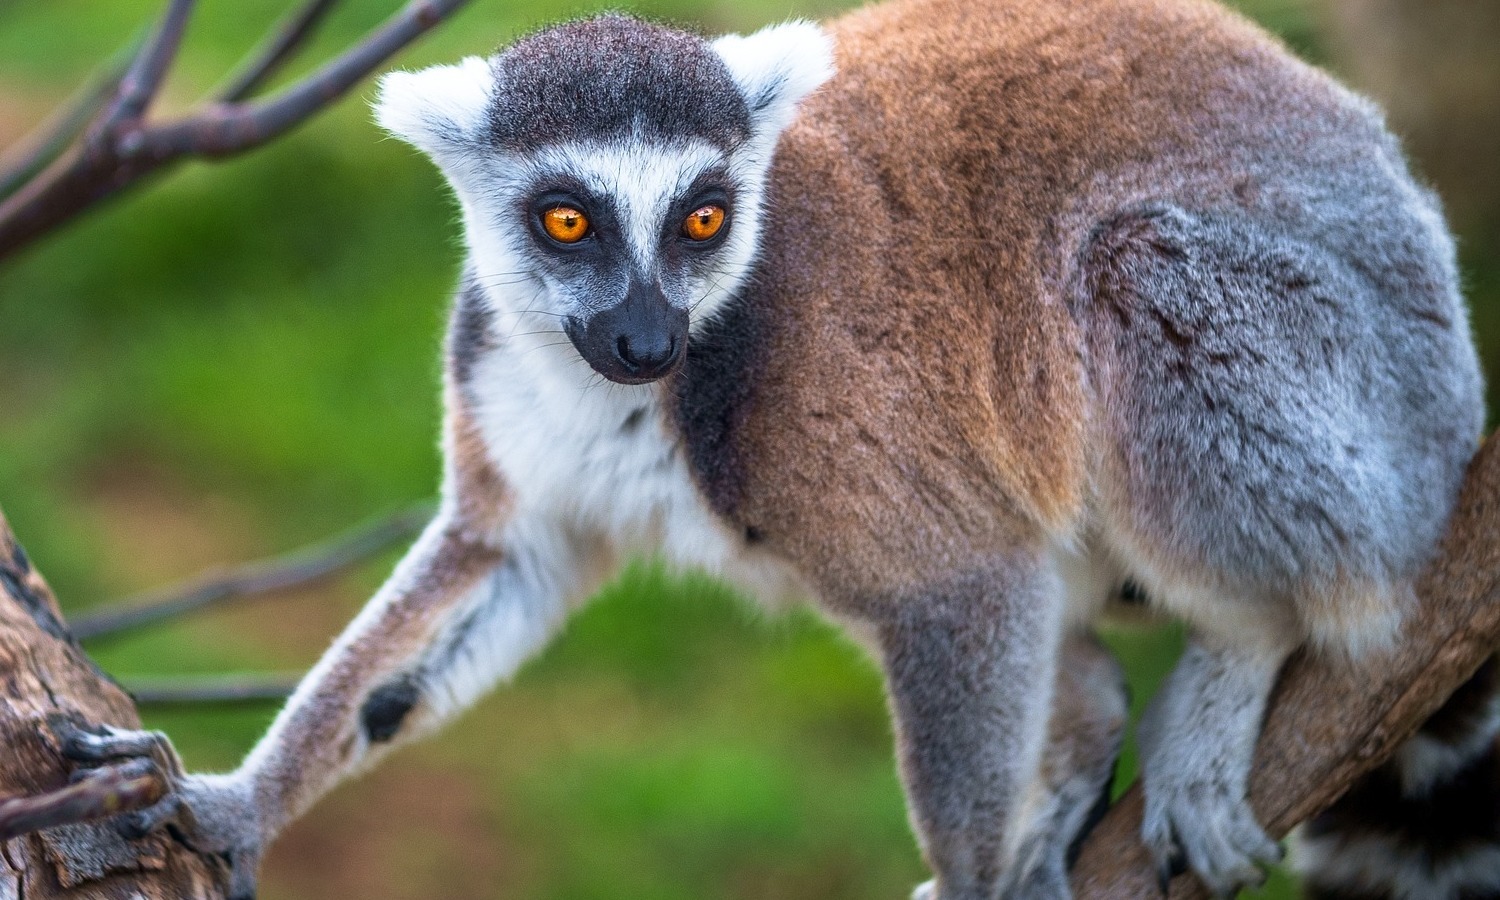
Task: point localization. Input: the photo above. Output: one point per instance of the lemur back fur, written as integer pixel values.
(1031, 297)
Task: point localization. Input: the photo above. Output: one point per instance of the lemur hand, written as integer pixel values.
(213, 814)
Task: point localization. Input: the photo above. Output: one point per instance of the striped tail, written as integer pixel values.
(1426, 824)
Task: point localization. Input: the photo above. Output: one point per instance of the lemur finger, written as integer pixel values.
(1213, 850)
(1046, 882)
(1161, 838)
(126, 767)
(1169, 866)
(242, 871)
(142, 822)
(1255, 843)
(113, 743)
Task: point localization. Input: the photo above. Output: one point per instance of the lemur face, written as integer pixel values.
(629, 238)
(611, 172)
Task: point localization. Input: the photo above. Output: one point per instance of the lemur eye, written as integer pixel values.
(703, 222)
(565, 224)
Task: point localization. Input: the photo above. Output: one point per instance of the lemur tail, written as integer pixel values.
(1426, 824)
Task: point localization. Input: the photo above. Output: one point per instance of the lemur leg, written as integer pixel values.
(459, 613)
(1197, 742)
(970, 667)
(1087, 730)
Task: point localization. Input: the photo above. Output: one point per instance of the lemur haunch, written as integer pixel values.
(952, 317)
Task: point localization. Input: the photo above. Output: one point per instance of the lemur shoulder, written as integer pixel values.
(952, 318)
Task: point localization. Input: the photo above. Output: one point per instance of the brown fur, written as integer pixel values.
(922, 396)
(483, 499)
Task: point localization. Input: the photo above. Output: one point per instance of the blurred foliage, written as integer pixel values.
(242, 358)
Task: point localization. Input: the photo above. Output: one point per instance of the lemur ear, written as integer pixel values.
(440, 110)
(775, 68)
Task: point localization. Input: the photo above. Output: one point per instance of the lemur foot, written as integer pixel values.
(1206, 827)
(213, 814)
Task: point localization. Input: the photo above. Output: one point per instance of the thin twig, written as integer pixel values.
(276, 52)
(122, 148)
(105, 792)
(296, 569)
(211, 689)
(53, 137)
(223, 129)
(149, 69)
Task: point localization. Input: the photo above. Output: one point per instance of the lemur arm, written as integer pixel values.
(364, 692)
(479, 592)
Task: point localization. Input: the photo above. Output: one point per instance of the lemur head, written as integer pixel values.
(611, 171)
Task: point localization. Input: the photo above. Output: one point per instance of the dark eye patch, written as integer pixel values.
(601, 211)
(711, 188)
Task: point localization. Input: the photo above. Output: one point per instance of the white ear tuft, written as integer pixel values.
(775, 68)
(438, 109)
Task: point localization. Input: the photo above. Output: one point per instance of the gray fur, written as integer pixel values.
(1266, 372)
(968, 740)
(1285, 412)
(1197, 742)
(471, 331)
(643, 82)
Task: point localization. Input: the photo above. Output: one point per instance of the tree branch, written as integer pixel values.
(149, 69)
(269, 576)
(124, 148)
(51, 690)
(55, 135)
(1330, 722)
(212, 689)
(224, 129)
(283, 45)
(103, 792)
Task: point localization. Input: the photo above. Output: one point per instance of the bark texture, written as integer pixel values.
(45, 679)
(1329, 722)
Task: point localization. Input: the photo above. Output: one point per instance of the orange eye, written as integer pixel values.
(703, 222)
(565, 224)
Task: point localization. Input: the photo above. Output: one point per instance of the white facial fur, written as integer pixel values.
(442, 111)
(775, 69)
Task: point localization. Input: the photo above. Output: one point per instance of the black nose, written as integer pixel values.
(647, 354)
(639, 339)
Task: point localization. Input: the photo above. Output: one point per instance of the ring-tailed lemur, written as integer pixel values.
(1033, 296)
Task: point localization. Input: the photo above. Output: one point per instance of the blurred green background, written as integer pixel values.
(242, 358)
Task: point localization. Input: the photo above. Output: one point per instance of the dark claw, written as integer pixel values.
(1173, 865)
(134, 826)
(81, 746)
(241, 878)
(76, 743)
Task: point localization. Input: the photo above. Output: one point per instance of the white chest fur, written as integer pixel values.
(600, 458)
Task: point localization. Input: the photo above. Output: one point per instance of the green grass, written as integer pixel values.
(242, 358)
